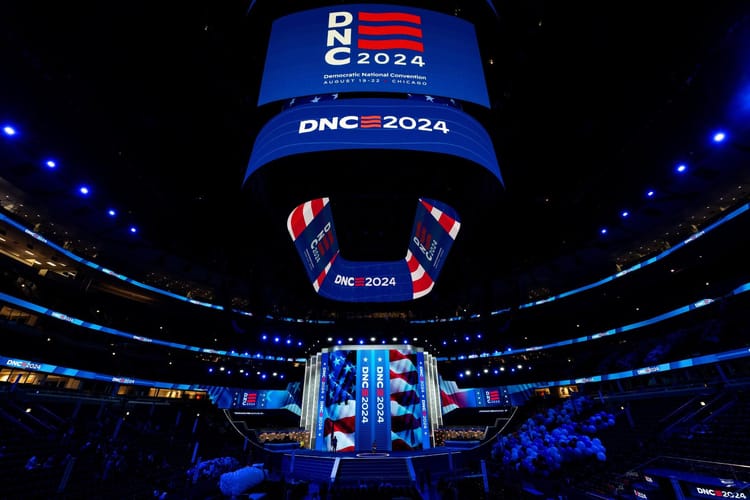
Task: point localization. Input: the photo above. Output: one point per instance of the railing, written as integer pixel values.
(738, 472)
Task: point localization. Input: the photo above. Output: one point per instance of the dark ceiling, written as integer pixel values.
(154, 105)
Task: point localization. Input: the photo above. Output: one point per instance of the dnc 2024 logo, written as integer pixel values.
(376, 33)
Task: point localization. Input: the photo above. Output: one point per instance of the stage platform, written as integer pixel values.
(367, 466)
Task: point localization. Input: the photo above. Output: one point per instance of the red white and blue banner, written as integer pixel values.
(373, 411)
(372, 397)
(452, 397)
(270, 399)
(408, 406)
(322, 401)
(338, 411)
(424, 421)
(372, 48)
(312, 230)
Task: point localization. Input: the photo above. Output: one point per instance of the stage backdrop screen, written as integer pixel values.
(373, 396)
(372, 48)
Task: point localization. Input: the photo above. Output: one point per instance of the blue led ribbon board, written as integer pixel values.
(371, 123)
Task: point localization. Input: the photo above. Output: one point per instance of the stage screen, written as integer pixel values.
(372, 48)
(373, 398)
(259, 399)
(452, 397)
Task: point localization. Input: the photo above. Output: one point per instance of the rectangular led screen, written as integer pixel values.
(372, 48)
(452, 397)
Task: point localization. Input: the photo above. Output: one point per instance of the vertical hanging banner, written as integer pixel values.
(322, 411)
(372, 48)
(340, 400)
(436, 226)
(381, 424)
(424, 421)
(406, 405)
(318, 247)
(365, 399)
(373, 400)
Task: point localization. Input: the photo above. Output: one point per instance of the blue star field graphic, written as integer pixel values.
(341, 377)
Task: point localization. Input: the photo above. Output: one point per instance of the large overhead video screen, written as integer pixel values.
(372, 48)
(435, 228)
(369, 123)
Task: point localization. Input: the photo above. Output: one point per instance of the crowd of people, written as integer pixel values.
(562, 434)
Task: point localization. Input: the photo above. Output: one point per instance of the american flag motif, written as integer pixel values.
(452, 397)
(421, 282)
(406, 408)
(299, 219)
(322, 276)
(389, 30)
(450, 224)
(341, 400)
(303, 215)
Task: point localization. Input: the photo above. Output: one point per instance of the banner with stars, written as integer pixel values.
(373, 407)
(322, 397)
